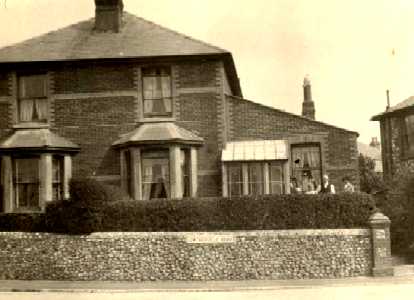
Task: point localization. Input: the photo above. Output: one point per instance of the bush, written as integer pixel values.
(398, 204)
(90, 191)
(370, 182)
(83, 213)
(245, 213)
(22, 222)
(73, 217)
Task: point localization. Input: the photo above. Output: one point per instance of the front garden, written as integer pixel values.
(95, 207)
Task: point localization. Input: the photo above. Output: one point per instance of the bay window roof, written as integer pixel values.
(37, 139)
(255, 150)
(158, 133)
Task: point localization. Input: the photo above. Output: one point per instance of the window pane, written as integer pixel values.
(160, 106)
(306, 166)
(33, 86)
(235, 179)
(27, 169)
(185, 171)
(255, 178)
(276, 178)
(276, 188)
(157, 91)
(26, 182)
(155, 175)
(409, 128)
(235, 189)
(276, 172)
(57, 176)
(27, 195)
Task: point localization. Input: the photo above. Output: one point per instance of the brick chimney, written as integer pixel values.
(308, 106)
(374, 142)
(108, 15)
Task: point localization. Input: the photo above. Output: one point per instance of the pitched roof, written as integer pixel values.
(367, 150)
(294, 115)
(138, 38)
(409, 102)
(154, 133)
(37, 139)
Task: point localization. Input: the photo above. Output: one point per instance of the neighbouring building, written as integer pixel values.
(397, 137)
(373, 151)
(160, 114)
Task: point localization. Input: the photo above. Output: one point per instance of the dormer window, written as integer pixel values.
(157, 93)
(32, 98)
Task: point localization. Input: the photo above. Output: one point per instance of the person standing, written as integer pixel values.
(308, 184)
(326, 187)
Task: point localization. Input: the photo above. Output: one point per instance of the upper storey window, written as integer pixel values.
(408, 135)
(157, 92)
(32, 102)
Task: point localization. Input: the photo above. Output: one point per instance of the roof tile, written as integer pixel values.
(138, 38)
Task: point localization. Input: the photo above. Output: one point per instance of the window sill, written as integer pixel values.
(27, 210)
(31, 125)
(157, 119)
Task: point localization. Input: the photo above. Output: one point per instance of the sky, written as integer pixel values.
(352, 51)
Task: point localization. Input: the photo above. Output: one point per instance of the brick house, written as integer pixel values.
(397, 137)
(160, 114)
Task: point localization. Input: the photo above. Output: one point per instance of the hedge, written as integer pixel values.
(34, 222)
(98, 207)
(214, 214)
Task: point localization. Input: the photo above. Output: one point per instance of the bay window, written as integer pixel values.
(155, 174)
(57, 178)
(162, 161)
(185, 171)
(26, 183)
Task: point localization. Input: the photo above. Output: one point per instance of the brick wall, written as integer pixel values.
(4, 84)
(249, 120)
(94, 124)
(197, 74)
(289, 254)
(94, 78)
(394, 158)
(199, 112)
(4, 105)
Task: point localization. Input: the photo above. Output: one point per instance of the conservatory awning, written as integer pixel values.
(255, 150)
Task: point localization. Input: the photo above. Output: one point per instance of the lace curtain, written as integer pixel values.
(156, 181)
(33, 104)
(157, 94)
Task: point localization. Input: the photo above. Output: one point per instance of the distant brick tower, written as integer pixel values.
(308, 106)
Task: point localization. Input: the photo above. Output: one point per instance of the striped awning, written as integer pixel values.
(255, 150)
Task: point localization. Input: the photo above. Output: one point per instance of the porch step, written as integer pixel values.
(404, 270)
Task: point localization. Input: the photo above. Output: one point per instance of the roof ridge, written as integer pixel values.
(293, 114)
(176, 32)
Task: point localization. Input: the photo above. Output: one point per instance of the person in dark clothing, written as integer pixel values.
(326, 187)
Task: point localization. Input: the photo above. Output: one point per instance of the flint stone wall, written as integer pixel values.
(287, 254)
